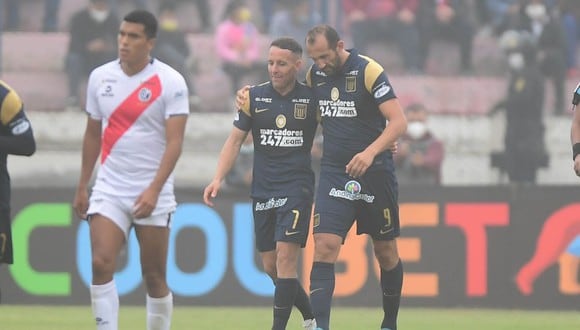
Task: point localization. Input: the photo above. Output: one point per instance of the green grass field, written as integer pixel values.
(207, 318)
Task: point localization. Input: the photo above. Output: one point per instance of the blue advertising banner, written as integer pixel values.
(497, 247)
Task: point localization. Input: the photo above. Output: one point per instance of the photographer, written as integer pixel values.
(524, 151)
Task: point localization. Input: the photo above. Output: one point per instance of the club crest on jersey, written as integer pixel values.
(300, 111)
(145, 94)
(334, 94)
(280, 121)
(350, 84)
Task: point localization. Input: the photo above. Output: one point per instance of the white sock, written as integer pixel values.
(105, 303)
(159, 312)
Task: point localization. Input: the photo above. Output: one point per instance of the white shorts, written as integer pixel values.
(119, 210)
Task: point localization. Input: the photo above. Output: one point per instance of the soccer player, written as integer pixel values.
(357, 177)
(282, 118)
(137, 110)
(16, 138)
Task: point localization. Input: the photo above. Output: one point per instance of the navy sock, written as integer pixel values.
(302, 302)
(284, 296)
(391, 285)
(321, 290)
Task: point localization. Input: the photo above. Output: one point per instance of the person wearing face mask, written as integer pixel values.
(420, 153)
(524, 150)
(237, 45)
(92, 42)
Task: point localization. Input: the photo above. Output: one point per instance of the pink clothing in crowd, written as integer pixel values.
(379, 8)
(237, 42)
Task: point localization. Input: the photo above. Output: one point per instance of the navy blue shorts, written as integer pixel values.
(371, 201)
(285, 219)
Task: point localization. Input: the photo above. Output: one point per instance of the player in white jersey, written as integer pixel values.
(137, 109)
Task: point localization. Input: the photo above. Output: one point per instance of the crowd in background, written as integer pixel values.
(410, 26)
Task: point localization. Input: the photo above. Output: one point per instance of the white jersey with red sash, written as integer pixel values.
(133, 110)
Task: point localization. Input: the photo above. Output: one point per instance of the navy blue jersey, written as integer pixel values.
(349, 105)
(15, 137)
(283, 129)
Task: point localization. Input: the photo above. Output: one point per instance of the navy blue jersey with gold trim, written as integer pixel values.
(348, 102)
(283, 129)
(15, 137)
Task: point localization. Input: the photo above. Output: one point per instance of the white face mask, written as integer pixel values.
(99, 15)
(536, 12)
(416, 129)
(516, 61)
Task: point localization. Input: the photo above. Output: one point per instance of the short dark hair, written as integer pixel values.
(327, 31)
(289, 44)
(146, 18)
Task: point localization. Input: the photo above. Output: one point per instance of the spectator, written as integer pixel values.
(569, 15)
(524, 149)
(49, 21)
(379, 20)
(237, 44)
(203, 10)
(420, 153)
(294, 20)
(93, 41)
(501, 12)
(172, 47)
(551, 42)
(446, 19)
(137, 4)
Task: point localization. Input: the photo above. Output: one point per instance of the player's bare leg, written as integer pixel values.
(391, 280)
(153, 242)
(107, 239)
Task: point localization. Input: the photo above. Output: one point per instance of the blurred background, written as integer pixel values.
(486, 86)
(454, 66)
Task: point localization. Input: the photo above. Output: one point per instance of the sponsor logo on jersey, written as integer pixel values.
(281, 137)
(20, 126)
(179, 94)
(300, 111)
(271, 203)
(350, 84)
(108, 92)
(307, 101)
(256, 110)
(382, 91)
(352, 192)
(337, 108)
(263, 99)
